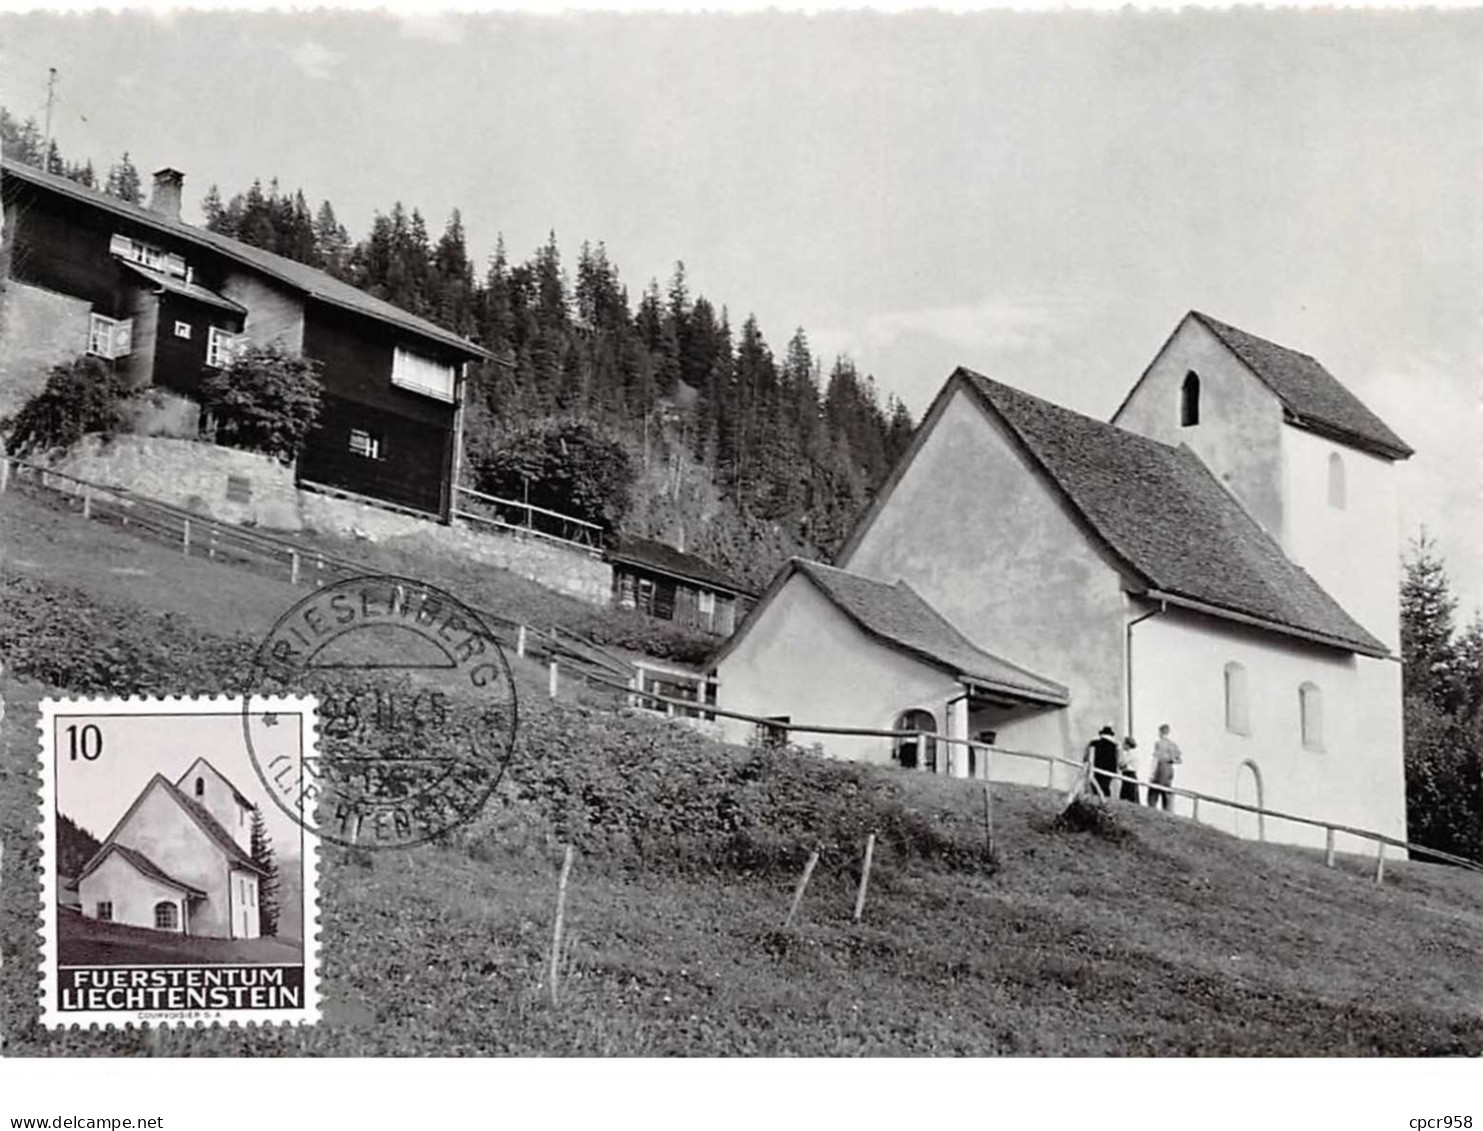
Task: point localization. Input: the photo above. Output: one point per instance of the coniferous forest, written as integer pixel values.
(740, 451)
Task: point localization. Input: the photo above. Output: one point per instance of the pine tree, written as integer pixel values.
(267, 885)
(1428, 659)
(123, 181)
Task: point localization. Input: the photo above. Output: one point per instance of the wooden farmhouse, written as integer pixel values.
(669, 584)
(1223, 557)
(179, 860)
(85, 272)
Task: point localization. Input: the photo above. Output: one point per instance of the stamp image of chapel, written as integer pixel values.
(179, 861)
(669, 584)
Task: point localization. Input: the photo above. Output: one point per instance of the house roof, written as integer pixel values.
(1169, 522)
(197, 812)
(189, 290)
(1308, 391)
(898, 617)
(648, 554)
(141, 864)
(311, 281)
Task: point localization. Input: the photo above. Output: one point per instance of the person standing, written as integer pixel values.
(1166, 756)
(1127, 768)
(1102, 754)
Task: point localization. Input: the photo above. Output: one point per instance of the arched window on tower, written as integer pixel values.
(1238, 711)
(1310, 706)
(1189, 400)
(200, 787)
(1336, 481)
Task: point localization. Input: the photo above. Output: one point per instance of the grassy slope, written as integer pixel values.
(1173, 939)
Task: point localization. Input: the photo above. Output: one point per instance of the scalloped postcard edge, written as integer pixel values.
(180, 994)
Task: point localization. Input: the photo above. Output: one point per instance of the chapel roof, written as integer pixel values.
(1169, 522)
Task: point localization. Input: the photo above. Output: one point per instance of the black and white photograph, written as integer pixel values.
(835, 534)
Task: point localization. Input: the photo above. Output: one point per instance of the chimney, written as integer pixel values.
(168, 185)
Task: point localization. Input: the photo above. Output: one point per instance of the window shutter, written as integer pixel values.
(121, 245)
(175, 265)
(123, 338)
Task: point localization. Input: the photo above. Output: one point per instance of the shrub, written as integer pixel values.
(564, 466)
(82, 396)
(267, 399)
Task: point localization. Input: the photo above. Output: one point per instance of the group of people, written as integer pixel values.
(1115, 767)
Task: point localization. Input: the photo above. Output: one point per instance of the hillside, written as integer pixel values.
(1163, 938)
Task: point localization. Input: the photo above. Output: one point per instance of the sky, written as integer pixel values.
(1040, 196)
(135, 747)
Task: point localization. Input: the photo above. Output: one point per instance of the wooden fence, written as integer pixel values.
(200, 536)
(525, 519)
(1080, 769)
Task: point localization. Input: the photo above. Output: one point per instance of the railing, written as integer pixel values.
(1083, 772)
(527, 519)
(201, 536)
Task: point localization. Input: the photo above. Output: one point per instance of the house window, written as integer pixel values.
(200, 787)
(166, 916)
(1189, 400)
(705, 606)
(914, 750)
(110, 337)
(221, 347)
(367, 444)
(773, 734)
(645, 595)
(422, 374)
(1310, 707)
(1336, 481)
(105, 912)
(183, 330)
(623, 584)
(1238, 709)
(147, 255)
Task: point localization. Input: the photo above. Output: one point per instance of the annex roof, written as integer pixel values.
(1310, 394)
(188, 290)
(1169, 522)
(311, 281)
(649, 554)
(141, 864)
(897, 616)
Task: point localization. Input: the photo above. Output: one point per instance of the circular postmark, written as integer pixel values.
(417, 712)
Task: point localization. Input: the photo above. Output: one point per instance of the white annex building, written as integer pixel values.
(1222, 557)
(179, 860)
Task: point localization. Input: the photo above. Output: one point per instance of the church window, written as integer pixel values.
(1336, 481)
(1238, 710)
(105, 911)
(1189, 400)
(200, 787)
(165, 916)
(1310, 706)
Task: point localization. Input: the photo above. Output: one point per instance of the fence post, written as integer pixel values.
(1328, 847)
(1380, 864)
(566, 871)
(1194, 814)
(554, 678)
(989, 818)
(211, 544)
(864, 876)
(1050, 774)
(87, 503)
(293, 567)
(520, 641)
(4, 474)
(318, 571)
(185, 536)
(808, 870)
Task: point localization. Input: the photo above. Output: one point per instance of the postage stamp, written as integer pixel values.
(175, 892)
(418, 712)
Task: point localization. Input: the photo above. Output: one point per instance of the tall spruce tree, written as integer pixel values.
(261, 850)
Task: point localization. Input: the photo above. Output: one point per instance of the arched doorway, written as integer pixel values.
(912, 751)
(1251, 826)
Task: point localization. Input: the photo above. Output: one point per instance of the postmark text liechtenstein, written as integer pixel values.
(174, 892)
